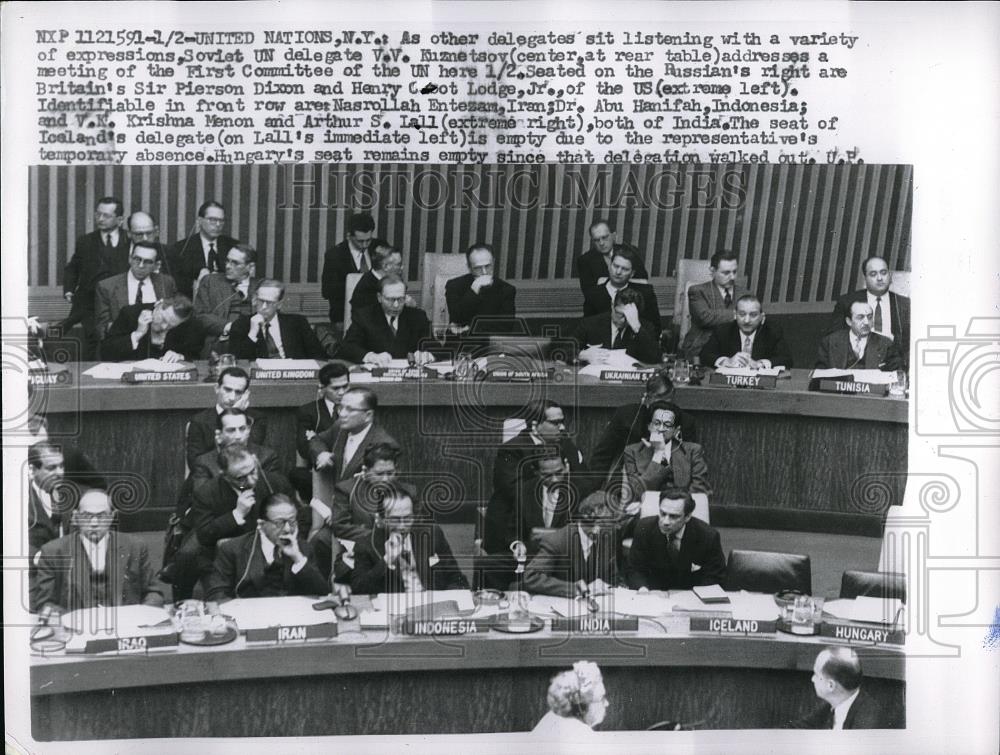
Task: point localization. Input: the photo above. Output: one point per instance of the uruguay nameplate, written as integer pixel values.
(596, 624)
(401, 373)
(853, 387)
(732, 626)
(444, 627)
(131, 644)
(181, 376)
(862, 634)
(760, 382)
(64, 377)
(517, 376)
(625, 376)
(258, 374)
(292, 633)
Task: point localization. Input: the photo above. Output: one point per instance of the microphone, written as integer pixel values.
(520, 552)
(584, 592)
(344, 611)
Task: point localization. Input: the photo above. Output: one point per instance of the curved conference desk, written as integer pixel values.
(376, 682)
(786, 453)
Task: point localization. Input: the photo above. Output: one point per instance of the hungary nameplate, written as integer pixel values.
(860, 634)
(760, 382)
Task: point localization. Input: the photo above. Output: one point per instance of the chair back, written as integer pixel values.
(689, 273)
(432, 265)
(873, 584)
(350, 284)
(764, 571)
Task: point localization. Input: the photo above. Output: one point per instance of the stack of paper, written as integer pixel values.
(754, 606)
(618, 359)
(398, 603)
(118, 621)
(869, 610)
(287, 364)
(260, 613)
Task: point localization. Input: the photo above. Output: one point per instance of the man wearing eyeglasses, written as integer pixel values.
(141, 284)
(389, 330)
(142, 227)
(223, 297)
(97, 255)
(661, 459)
(204, 251)
(270, 333)
(269, 562)
(94, 566)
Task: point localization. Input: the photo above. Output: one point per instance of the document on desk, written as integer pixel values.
(747, 372)
(398, 603)
(287, 364)
(618, 359)
(261, 613)
(632, 603)
(753, 606)
(865, 609)
(875, 377)
(119, 621)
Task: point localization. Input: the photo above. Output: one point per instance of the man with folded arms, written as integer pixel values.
(621, 328)
(749, 341)
(858, 347)
(405, 553)
(673, 551)
(269, 562)
(271, 333)
(390, 330)
(711, 303)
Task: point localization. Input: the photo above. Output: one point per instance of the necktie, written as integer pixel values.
(277, 555)
(746, 344)
(878, 314)
(618, 342)
(237, 292)
(269, 345)
(673, 549)
(728, 300)
(213, 258)
(394, 324)
(107, 240)
(138, 293)
(364, 267)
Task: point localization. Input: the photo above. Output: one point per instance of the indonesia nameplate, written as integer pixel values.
(758, 382)
(444, 627)
(293, 633)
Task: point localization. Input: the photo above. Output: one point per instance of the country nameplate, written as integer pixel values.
(444, 627)
(760, 382)
(862, 634)
(292, 633)
(596, 624)
(517, 376)
(258, 374)
(181, 376)
(64, 377)
(852, 387)
(732, 626)
(131, 644)
(403, 373)
(625, 376)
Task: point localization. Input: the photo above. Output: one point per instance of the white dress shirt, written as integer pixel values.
(352, 444)
(134, 284)
(267, 549)
(113, 237)
(613, 292)
(841, 711)
(97, 553)
(206, 247)
(858, 345)
(886, 313)
(275, 331)
(550, 502)
(358, 255)
(44, 498)
(585, 543)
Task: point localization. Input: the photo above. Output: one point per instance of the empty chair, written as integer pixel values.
(873, 584)
(763, 571)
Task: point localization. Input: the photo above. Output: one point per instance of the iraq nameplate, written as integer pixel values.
(833, 385)
(625, 376)
(291, 634)
(862, 634)
(596, 624)
(444, 627)
(401, 373)
(517, 376)
(258, 374)
(760, 382)
(39, 377)
(131, 644)
(181, 376)
(732, 626)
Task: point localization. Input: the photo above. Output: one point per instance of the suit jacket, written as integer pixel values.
(312, 418)
(298, 339)
(727, 340)
(216, 304)
(629, 424)
(186, 339)
(591, 266)
(464, 305)
(650, 566)
(559, 562)
(514, 456)
(370, 331)
(64, 573)
(238, 572)
(596, 329)
(91, 263)
(687, 467)
(112, 296)
(708, 311)
(597, 301)
(201, 433)
(41, 527)
(835, 352)
(365, 292)
(865, 713)
(899, 310)
(211, 514)
(334, 439)
(432, 558)
(355, 501)
(510, 518)
(338, 263)
(187, 258)
(206, 466)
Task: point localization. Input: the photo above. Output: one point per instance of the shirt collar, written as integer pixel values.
(93, 547)
(135, 280)
(267, 548)
(330, 407)
(45, 498)
(360, 435)
(679, 535)
(843, 708)
(585, 541)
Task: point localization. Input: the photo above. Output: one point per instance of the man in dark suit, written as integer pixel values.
(621, 328)
(388, 331)
(271, 333)
(711, 304)
(837, 679)
(268, 562)
(386, 260)
(598, 299)
(479, 302)
(673, 551)
(857, 347)
(142, 229)
(749, 341)
(664, 460)
(140, 285)
(316, 416)
(232, 389)
(164, 330)
(352, 255)
(96, 256)
(593, 266)
(204, 251)
(890, 311)
(223, 297)
(407, 552)
(630, 423)
(232, 428)
(584, 550)
(94, 566)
